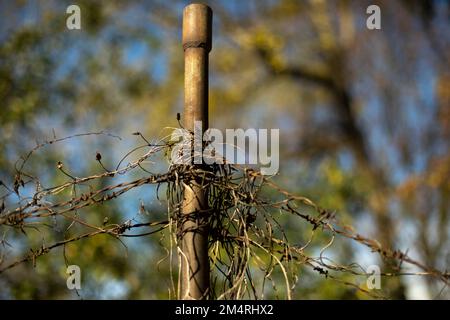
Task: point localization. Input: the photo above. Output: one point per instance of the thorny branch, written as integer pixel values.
(244, 219)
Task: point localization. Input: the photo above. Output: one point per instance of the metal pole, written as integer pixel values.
(194, 281)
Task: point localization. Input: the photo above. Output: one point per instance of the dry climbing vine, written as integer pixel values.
(248, 246)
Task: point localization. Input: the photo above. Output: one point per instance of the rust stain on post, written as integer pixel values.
(197, 36)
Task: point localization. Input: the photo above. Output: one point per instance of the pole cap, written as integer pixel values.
(197, 26)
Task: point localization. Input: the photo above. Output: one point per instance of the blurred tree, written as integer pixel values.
(364, 117)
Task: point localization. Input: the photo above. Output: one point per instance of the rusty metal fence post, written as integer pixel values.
(197, 36)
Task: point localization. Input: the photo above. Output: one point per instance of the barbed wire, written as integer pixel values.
(245, 232)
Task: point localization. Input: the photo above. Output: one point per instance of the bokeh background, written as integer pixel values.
(364, 118)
